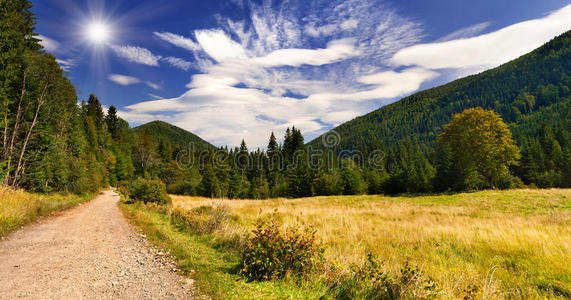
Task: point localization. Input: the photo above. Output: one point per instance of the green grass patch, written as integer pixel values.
(214, 268)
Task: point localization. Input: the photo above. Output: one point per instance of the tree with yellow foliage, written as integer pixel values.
(475, 152)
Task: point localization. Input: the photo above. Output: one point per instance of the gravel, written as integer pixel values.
(88, 252)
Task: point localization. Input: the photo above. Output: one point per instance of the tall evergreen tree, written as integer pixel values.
(94, 110)
(112, 121)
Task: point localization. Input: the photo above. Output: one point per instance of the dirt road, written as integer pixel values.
(86, 252)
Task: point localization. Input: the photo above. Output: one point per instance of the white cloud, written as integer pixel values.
(49, 44)
(66, 64)
(137, 55)
(153, 85)
(178, 40)
(178, 63)
(335, 51)
(386, 85)
(487, 50)
(155, 97)
(224, 114)
(218, 45)
(349, 24)
(324, 30)
(123, 79)
(467, 32)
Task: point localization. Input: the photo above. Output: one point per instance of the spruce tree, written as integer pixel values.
(274, 162)
(95, 111)
(112, 121)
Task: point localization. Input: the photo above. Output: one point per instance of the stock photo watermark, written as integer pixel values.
(327, 156)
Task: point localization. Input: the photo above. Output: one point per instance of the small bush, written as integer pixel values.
(203, 219)
(371, 281)
(147, 190)
(272, 253)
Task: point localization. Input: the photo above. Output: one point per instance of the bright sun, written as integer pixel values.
(98, 32)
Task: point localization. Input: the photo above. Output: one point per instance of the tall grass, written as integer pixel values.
(18, 207)
(503, 244)
(213, 268)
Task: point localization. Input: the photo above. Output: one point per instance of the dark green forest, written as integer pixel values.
(52, 143)
(532, 94)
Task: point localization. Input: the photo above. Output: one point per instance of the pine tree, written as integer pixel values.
(242, 159)
(112, 121)
(95, 111)
(274, 162)
(209, 185)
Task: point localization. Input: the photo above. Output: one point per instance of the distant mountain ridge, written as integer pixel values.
(165, 132)
(531, 90)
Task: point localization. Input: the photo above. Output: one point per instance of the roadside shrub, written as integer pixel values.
(371, 281)
(272, 253)
(203, 219)
(122, 189)
(147, 190)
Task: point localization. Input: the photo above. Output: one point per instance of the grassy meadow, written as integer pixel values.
(18, 207)
(511, 244)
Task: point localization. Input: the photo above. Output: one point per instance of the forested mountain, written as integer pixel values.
(532, 94)
(534, 87)
(163, 132)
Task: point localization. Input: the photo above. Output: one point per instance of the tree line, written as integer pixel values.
(52, 143)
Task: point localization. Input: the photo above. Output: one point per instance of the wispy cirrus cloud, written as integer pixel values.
(178, 40)
(50, 45)
(137, 55)
(153, 85)
(66, 64)
(466, 32)
(178, 63)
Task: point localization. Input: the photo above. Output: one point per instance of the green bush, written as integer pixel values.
(371, 281)
(181, 188)
(148, 191)
(272, 253)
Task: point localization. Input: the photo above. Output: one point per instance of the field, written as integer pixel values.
(18, 208)
(510, 244)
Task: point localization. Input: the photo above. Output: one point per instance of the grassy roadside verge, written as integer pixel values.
(18, 208)
(212, 267)
(490, 244)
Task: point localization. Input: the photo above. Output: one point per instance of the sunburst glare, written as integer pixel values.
(98, 32)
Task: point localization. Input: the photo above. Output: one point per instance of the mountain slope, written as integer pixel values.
(163, 131)
(528, 92)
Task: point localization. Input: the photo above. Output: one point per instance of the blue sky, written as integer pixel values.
(228, 70)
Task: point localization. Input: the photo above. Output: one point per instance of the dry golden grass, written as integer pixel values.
(513, 243)
(18, 207)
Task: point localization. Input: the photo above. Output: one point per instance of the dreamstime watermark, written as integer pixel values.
(328, 156)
